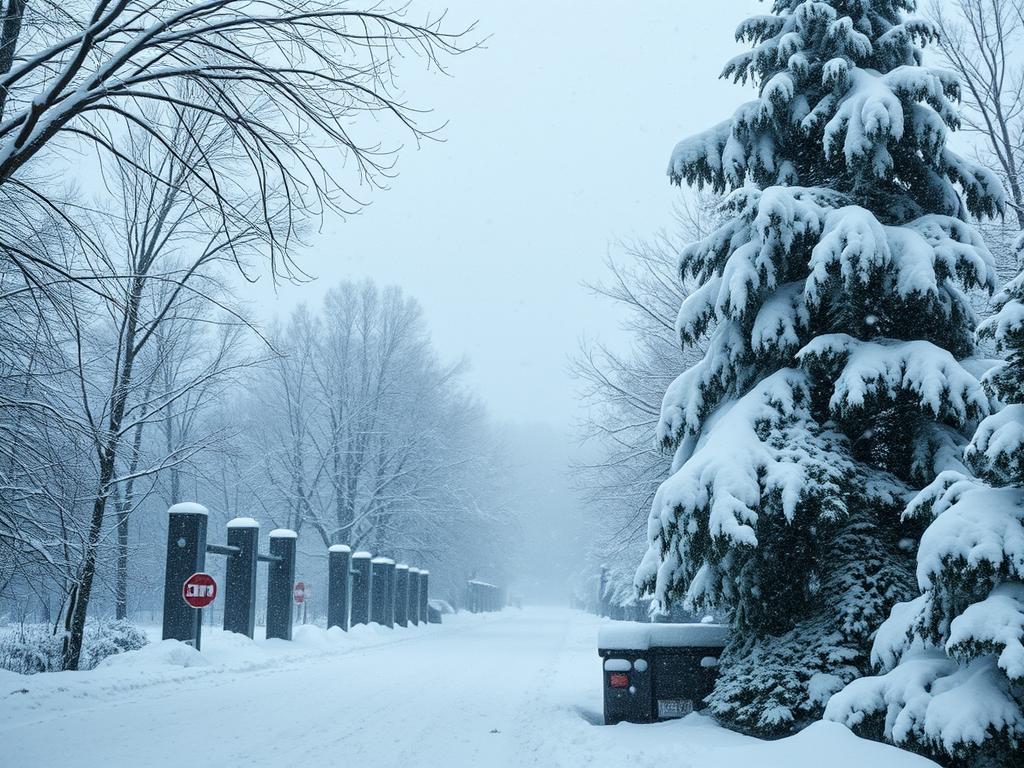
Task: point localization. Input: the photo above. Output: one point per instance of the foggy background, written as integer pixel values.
(544, 162)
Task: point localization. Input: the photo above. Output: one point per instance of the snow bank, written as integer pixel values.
(166, 653)
(822, 744)
(224, 658)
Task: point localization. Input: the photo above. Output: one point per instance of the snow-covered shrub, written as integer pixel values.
(107, 638)
(31, 648)
(951, 661)
(833, 306)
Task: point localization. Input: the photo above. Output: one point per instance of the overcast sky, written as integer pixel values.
(558, 134)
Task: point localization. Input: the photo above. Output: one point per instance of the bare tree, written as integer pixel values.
(286, 443)
(981, 41)
(281, 77)
(221, 125)
(368, 438)
(623, 390)
(170, 239)
(41, 438)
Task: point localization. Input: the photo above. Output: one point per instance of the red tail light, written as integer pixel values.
(619, 680)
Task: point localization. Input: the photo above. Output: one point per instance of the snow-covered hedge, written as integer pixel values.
(31, 648)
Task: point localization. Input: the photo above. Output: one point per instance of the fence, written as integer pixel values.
(360, 588)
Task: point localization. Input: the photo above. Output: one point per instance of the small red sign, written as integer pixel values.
(300, 591)
(619, 680)
(199, 590)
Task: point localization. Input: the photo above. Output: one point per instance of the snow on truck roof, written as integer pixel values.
(635, 636)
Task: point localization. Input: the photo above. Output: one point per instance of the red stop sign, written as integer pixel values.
(199, 590)
(300, 591)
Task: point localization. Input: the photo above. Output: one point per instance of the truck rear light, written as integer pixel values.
(618, 680)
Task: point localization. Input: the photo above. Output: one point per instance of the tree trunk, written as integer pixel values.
(79, 606)
(124, 511)
(11, 31)
(121, 577)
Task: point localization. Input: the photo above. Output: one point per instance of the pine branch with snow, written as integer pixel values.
(950, 663)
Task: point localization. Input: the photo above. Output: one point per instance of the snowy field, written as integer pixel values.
(520, 688)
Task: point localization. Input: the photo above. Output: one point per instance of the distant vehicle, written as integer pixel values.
(441, 606)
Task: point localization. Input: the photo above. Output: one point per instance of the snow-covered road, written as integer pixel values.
(521, 688)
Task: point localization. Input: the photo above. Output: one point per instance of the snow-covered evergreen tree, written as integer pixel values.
(836, 380)
(952, 660)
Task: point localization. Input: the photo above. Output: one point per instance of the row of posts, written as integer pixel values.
(364, 589)
(361, 588)
(485, 598)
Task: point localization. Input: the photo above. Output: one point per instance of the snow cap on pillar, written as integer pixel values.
(283, 533)
(188, 508)
(340, 548)
(362, 556)
(401, 567)
(243, 522)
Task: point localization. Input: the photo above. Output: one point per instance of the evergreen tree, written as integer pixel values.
(952, 660)
(836, 379)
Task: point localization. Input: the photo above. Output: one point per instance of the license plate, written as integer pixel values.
(674, 707)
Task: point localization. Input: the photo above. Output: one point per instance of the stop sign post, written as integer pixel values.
(301, 595)
(199, 590)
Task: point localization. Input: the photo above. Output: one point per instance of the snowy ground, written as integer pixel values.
(521, 688)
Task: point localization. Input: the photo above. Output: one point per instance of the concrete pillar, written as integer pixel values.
(362, 588)
(240, 577)
(382, 605)
(392, 592)
(424, 583)
(186, 554)
(402, 595)
(414, 596)
(280, 581)
(339, 559)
